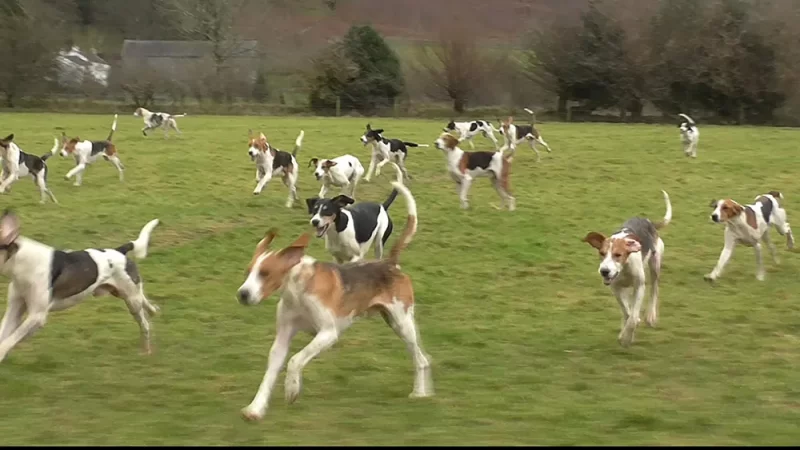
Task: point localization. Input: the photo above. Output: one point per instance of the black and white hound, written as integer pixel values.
(87, 152)
(690, 136)
(272, 162)
(344, 171)
(153, 120)
(385, 151)
(468, 130)
(17, 164)
(44, 279)
(349, 231)
(516, 134)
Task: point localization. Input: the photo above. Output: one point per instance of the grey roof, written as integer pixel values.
(179, 49)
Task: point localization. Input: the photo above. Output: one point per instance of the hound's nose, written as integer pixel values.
(715, 218)
(243, 295)
(605, 272)
(318, 176)
(315, 222)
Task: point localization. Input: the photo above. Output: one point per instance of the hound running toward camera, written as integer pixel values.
(468, 130)
(516, 134)
(271, 162)
(349, 231)
(690, 136)
(87, 152)
(748, 225)
(464, 167)
(44, 279)
(385, 151)
(153, 120)
(623, 257)
(344, 172)
(325, 299)
(17, 164)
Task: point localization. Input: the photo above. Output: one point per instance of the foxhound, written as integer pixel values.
(385, 151)
(349, 231)
(17, 164)
(272, 162)
(325, 299)
(516, 134)
(748, 225)
(463, 167)
(344, 171)
(154, 120)
(87, 152)
(468, 130)
(623, 257)
(690, 135)
(44, 279)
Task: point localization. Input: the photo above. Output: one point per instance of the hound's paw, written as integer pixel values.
(420, 394)
(760, 276)
(251, 414)
(256, 192)
(292, 387)
(708, 277)
(651, 319)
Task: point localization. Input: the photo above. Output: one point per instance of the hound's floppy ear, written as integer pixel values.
(250, 133)
(301, 242)
(737, 209)
(595, 240)
(379, 130)
(368, 127)
(632, 245)
(713, 204)
(9, 138)
(328, 164)
(262, 137)
(311, 203)
(9, 228)
(292, 254)
(342, 200)
(313, 162)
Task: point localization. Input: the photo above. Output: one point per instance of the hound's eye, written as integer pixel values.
(603, 254)
(617, 255)
(725, 207)
(264, 273)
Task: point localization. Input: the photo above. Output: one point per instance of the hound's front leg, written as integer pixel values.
(11, 176)
(294, 372)
(263, 182)
(622, 296)
(323, 190)
(277, 357)
(724, 257)
(759, 262)
(371, 168)
(77, 170)
(37, 316)
(465, 184)
(626, 337)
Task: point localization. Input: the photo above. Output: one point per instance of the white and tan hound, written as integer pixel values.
(343, 171)
(325, 299)
(271, 162)
(623, 257)
(464, 167)
(747, 225)
(87, 152)
(44, 279)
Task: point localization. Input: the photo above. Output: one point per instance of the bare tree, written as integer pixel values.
(454, 64)
(27, 49)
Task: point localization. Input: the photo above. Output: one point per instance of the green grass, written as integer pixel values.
(520, 328)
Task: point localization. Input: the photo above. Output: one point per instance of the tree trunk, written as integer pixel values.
(636, 109)
(458, 104)
(9, 100)
(562, 106)
(741, 116)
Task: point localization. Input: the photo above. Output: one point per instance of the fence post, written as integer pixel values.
(569, 113)
(338, 105)
(395, 106)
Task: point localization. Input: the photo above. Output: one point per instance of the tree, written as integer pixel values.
(27, 49)
(361, 70)
(455, 65)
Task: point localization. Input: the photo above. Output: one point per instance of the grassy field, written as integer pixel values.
(520, 328)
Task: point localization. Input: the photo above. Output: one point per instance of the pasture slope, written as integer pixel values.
(520, 328)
